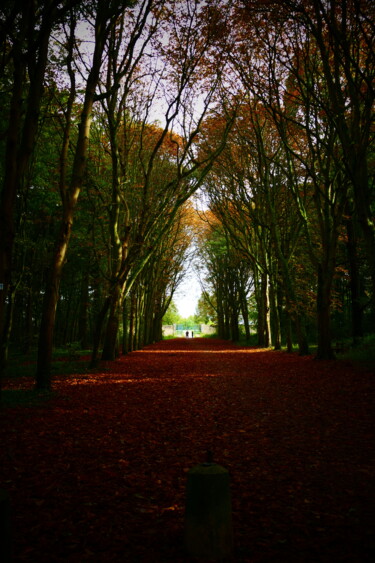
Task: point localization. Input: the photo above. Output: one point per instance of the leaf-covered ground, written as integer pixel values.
(98, 472)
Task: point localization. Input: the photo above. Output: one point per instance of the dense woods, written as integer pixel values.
(114, 113)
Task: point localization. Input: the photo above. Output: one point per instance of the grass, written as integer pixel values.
(363, 354)
(65, 361)
(24, 397)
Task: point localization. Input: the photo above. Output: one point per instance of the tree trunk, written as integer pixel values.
(260, 319)
(324, 351)
(51, 297)
(111, 344)
(268, 312)
(227, 334)
(292, 301)
(303, 345)
(289, 336)
(136, 323)
(141, 318)
(7, 328)
(264, 328)
(245, 315)
(125, 326)
(365, 217)
(355, 284)
(220, 323)
(28, 337)
(99, 331)
(234, 328)
(131, 322)
(275, 319)
(66, 312)
(157, 327)
(21, 132)
(70, 195)
(83, 312)
(220, 314)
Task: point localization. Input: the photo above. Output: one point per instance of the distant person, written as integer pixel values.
(192, 334)
(187, 334)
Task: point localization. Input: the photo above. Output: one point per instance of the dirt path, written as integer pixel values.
(98, 473)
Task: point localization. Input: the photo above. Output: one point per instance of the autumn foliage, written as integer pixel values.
(98, 471)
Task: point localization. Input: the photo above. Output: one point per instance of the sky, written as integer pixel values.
(187, 295)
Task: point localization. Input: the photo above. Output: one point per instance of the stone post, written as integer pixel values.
(208, 514)
(5, 528)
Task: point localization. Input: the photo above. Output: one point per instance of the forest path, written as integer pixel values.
(98, 473)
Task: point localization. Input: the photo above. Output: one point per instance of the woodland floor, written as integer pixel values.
(97, 473)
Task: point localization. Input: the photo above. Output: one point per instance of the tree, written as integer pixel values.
(227, 282)
(70, 186)
(152, 166)
(206, 313)
(247, 190)
(300, 69)
(161, 277)
(344, 34)
(25, 37)
(171, 316)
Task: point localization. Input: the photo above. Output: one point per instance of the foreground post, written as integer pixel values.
(208, 515)
(5, 528)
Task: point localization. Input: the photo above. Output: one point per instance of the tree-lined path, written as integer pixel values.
(97, 473)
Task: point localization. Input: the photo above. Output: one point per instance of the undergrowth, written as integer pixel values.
(363, 353)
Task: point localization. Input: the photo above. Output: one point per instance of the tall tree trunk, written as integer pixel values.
(355, 283)
(66, 321)
(21, 133)
(227, 334)
(136, 323)
(366, 220)
(98, 331)
(132, 322)
(234, 328)
(288, 334)
(325, 351)
(84, 311)
(125, 326)
(245, 315)
(300, 326)
(141, 318)
(260, 315)
(28, 337)
(7, 328)
(291, 297)
(157, 331)
(220, 313)
(7, 234)
(275, 319)
(264, 328)
(267, 311)
(51, 297)
(70, 194)
(111, 344)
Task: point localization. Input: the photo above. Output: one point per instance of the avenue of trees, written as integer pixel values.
(114, 113)
(291, 198)
(99, 126)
